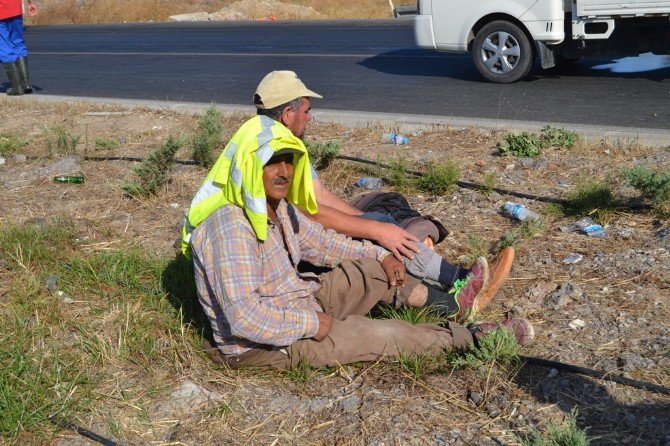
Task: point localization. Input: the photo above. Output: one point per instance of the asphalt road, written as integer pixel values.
(356, 65)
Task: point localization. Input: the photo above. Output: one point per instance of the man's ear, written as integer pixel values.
(287, 115)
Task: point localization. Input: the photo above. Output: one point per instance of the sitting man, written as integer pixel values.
(246, 241)
(278, 96)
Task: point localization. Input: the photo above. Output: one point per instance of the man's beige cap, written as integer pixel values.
(280, 87)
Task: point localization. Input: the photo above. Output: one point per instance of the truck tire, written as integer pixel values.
(502, 52)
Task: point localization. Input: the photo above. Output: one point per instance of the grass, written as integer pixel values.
(489, 181)
(530, 145)
(592, 197)
(62, 142)
(654, 186)
(11, 143)
(207, 138)
(525, 231)
(413, 315)
(55, 354)
(322, 154)
(153, 171)
(477, 249)
(106, 144)
(498, 346)
(439, 178)
(567, 435)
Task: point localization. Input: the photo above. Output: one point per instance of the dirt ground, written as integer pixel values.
(610, 312)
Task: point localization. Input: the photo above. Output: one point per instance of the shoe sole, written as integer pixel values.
(498, 271)
(476, 303)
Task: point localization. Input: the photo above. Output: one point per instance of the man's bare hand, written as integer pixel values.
(398, 241)
(395, 270)
(325, 322)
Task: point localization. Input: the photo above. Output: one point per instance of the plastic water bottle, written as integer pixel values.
(521, 212)
(590, 228)
(370, 183)
(395, 138)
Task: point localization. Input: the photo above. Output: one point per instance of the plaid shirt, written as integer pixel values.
(251, 290)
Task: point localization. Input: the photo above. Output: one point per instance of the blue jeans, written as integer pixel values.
(379, 216)
(12, 45)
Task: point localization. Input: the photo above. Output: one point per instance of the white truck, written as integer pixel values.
(505, 36)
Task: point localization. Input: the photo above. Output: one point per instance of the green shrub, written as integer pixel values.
(153, 171)
(569, 435)
(555, 137)
(413, 315)
(654, 186)
(321, 154)
(439, 178)
(208, 137)
(489, 181)
(10, 144)
(523, 145)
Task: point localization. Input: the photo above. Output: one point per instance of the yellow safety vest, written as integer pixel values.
(237, 177)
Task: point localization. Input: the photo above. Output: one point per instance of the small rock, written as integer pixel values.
(2, 161)
(510, 167)
(174, 205)
(480, 163)
(552, 166)
(577, 323)
(19, 158)
(517, 312)
(475, 398)
(527, 162)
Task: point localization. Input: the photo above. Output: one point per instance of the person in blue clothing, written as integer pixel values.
(13, 51)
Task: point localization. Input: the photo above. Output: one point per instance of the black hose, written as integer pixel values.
(64, 424)
(596, 374)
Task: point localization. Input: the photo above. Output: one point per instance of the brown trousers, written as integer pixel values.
(348, 293)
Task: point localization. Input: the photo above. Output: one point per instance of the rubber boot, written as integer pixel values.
(12, 70)
(25, 77)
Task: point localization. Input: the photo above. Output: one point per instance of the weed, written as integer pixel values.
(489, 181)
(62, 142)
(154, 170)
(509, 238)
(417, 364)
(106, 144)
(321, 154)
(559, 138)
(592, 197)
(654, 186)
(301, 371)
(398, 175)
(477, 249)
(569, 435)
(413, 315)
(526, 230)
(207, 138)
(523, 145)
(10, 144)
(497, 346)
(439, 178)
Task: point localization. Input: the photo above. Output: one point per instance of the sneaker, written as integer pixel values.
(522, 329)
(499, 271)
(467, 292)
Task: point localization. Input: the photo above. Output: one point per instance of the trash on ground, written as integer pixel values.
(520, 212)
(586, 226)
(572, 258)
(75, 179)
(51, 285)
(370, 183)
(395, 138)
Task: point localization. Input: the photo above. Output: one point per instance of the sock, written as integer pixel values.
(447, 302)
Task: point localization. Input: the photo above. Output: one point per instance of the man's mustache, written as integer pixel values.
(281, 181)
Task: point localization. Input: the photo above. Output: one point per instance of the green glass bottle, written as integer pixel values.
(69, 179)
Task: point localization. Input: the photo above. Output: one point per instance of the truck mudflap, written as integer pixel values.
(423, 31)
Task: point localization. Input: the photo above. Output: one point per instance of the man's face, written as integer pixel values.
(277, 175)
(296, 120)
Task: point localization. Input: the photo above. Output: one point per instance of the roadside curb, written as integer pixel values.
(407, 122)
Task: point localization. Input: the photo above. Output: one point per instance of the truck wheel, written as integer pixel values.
(502, 52)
